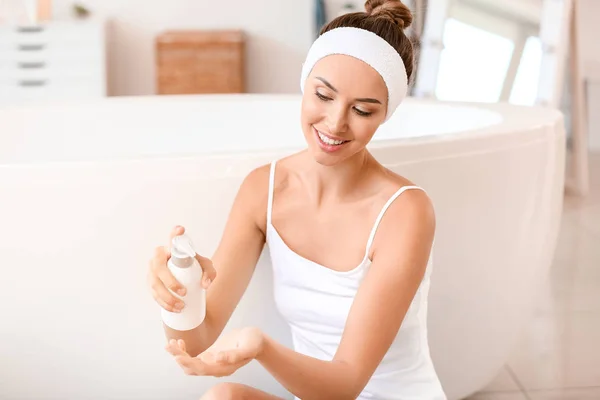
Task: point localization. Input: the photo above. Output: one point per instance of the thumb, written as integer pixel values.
(208, 270)
(176, 231)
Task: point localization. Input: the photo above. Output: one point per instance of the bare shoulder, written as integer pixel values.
(256, 183)
(253, 195)
(396, 180)
(257, 178)
(410, 215)
(414, 195)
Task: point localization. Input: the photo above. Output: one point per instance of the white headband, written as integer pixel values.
(368, 47)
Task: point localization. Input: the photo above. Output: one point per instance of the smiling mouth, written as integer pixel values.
(329, 141)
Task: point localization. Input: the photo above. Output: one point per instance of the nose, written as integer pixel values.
(337, 120)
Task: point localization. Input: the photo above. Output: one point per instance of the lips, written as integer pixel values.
(328, 143)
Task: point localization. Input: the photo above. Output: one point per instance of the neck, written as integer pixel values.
(338, 181)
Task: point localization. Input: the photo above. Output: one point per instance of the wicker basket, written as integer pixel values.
(191, 62)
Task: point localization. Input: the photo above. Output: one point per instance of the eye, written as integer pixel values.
(362, 113)
(322, 97)
(359, 112)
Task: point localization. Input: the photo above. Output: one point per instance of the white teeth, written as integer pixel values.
(325, 139)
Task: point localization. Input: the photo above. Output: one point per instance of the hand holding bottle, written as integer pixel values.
(178, 278)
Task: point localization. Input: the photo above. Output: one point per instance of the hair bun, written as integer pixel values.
(394, 10)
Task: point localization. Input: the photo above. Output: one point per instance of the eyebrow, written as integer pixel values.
(363, 100)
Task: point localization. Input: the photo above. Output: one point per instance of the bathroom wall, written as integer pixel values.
(590, 48)
(334, 8)
(279, 34)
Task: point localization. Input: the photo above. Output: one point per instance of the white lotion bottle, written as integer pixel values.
(186, 269)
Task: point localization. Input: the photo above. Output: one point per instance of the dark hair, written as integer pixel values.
(385, 18)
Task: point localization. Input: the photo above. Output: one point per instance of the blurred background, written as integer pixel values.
(513, 51)
(525, 52)
(492, 49)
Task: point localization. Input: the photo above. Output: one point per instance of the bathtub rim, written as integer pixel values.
(514, 124)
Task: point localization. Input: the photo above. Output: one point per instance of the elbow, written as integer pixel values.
(353, 392)
(196, 340)
(350, 393)
(197, 348)
(354, 384)
(346, 385)
(195, 352)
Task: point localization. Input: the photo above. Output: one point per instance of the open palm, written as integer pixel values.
(228, 354)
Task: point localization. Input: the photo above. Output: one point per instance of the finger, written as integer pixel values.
(176, 231)
(218, 358)
(184, 361)
(158, 268)
(181, 344)
(164, 304)
(170, 281)
(207, 357)
(169, 348)
(189, 371)
(195, 365)
(207, 368)
(209, 273)
(173, 348)
(165, 298)
(185, 364)
(160, 258)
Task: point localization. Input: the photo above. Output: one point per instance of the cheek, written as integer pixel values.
(311, 109)
(364, 129)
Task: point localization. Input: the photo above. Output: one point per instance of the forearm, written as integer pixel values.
(306, 377)
(196, 340)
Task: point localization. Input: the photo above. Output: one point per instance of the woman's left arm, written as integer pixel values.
(400, 255)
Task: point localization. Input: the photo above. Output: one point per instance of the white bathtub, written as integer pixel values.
(88, 191)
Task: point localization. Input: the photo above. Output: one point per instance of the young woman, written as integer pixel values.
(350, 241)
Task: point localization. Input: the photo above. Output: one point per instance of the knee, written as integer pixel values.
(222, 391)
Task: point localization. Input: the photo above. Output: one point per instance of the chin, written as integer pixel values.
(326, 160)
(322, 157)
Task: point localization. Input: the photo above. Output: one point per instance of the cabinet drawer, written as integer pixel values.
(52, 53)
(61, 33)
(49, 72)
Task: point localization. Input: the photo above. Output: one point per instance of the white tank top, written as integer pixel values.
(315, 302)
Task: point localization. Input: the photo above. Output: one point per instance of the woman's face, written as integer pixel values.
(344, 102)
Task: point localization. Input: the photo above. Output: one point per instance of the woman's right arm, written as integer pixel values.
(234, 261)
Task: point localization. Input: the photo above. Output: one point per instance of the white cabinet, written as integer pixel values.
(59, 60)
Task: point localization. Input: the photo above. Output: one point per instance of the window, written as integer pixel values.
(473, 65)
(524, 90)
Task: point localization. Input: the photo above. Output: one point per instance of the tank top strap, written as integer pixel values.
(271, 185)
(382, 212)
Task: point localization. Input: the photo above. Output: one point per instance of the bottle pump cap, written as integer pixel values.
(182, 251)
